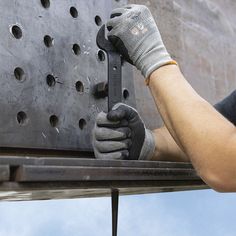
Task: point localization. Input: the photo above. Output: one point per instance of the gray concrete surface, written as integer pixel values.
(200, 35)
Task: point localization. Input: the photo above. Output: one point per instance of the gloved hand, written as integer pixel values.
(121, 134)
(133, 31)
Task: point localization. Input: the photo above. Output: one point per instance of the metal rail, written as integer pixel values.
(70, 177)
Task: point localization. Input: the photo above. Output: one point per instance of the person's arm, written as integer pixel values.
(207, 138)
(166, 148)
(121, 134)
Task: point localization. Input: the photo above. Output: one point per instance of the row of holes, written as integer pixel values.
(23, 119)
(46, 3)
(16, 31)
(73, 12)
(49, 42)
(51, 81)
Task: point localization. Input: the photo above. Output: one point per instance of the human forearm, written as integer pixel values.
(166, 147)
(195, 125)
(207, 138)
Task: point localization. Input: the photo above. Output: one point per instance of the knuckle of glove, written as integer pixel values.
(136, 10)
(102, 121)
(101, 117)
(111, 134)
(117, 12)
(126, 132)
(140, 8)
(125, 111)
(111, 146)
(112, 156)
(113, 153)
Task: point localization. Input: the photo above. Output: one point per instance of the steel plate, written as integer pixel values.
(49, 66)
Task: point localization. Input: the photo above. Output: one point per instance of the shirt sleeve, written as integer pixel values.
(227, 107)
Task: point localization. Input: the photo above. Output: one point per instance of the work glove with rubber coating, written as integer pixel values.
(121, 134)
(134, 33)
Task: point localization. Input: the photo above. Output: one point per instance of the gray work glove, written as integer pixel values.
(121, 134)
(133, 31)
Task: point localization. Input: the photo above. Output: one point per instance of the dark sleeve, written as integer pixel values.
(227, 107)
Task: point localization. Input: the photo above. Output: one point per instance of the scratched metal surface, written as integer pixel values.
(14, 192)
(30, 96)
(200, 35)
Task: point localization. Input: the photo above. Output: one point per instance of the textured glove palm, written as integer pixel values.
(134, 33)
(121, 134)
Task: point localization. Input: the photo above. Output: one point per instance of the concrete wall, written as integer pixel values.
(200, 35)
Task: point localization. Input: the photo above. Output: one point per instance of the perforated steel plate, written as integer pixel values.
(49, 64)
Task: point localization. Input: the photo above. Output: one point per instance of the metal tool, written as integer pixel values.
(114, 204)
(114, 68)
(114, 96)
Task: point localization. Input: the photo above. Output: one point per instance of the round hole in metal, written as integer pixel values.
(22, 118)
(98, 20)
(101, 55)
(79, 86)
(82, 123)
(53, 120)
(76, 49)
(16, 31)
(19, 74)
(73, 12)
(45, 3)
(125, 94)
(48, 41)
(51, 81)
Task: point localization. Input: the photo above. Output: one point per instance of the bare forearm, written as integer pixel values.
(166, 147)
(195, 125)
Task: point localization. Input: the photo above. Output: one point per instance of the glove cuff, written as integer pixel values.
(157, 62)
(152, 57)
(155, 67)
(148, 148)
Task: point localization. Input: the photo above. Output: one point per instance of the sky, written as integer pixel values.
(194, 213)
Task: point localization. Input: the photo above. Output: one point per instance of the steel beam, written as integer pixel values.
(35, 178)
